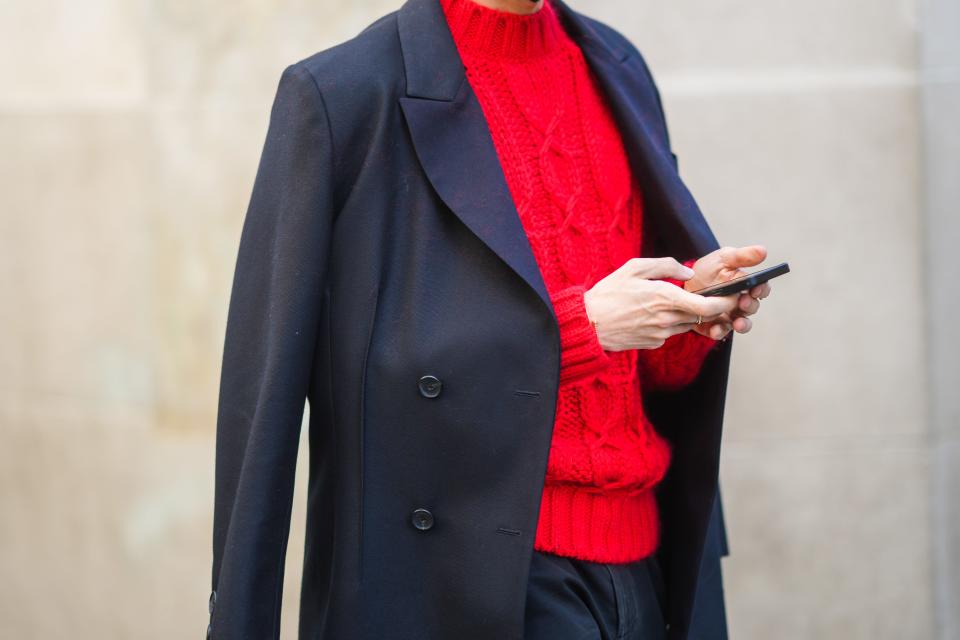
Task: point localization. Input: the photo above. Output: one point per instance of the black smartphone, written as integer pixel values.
(743, 283)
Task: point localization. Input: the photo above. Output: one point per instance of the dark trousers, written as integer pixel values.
(571, 599)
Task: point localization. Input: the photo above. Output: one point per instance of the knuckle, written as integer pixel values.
(639, 266)
(665, 288)
(661, 294)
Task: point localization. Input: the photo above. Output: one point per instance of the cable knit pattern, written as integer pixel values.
(568, 175)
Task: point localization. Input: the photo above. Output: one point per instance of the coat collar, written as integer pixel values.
(454, 145)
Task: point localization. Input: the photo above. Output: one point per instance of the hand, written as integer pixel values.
(725, 264)
(635, 310)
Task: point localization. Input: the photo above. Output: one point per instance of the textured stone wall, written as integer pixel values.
(131, 134)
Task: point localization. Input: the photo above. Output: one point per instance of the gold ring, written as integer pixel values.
(699, 319)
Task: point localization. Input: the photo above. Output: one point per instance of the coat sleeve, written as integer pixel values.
(271, 333)
(677, 362)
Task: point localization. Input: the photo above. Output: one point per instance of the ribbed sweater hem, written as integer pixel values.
(612, 527)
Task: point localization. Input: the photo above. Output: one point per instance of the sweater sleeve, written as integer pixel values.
(581, 353)
(677, 362)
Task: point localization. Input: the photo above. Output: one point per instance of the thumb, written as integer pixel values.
(659, 268)
(737, 257)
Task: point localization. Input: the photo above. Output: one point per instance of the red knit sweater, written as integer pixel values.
(567, 172)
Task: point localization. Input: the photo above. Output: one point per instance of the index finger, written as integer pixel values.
(705, 306)
(760, 291)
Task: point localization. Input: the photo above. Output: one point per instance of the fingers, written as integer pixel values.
(747, 304)
(658, 268)
(681, 323)
(716, 329)
(679, 320)
(720, 329)
(682, 326)
(761, 291)
(737, 257)
(706, 306)
(739, 323)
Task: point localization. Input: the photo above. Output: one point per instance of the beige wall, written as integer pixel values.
(797, 125)
(131, 133)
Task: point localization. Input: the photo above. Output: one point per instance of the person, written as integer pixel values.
(469, 249)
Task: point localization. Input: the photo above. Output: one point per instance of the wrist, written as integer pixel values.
(582, 352)
(587, 310)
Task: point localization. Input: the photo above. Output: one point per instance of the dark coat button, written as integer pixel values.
(430, 386)
(212, 602)
(422, 519)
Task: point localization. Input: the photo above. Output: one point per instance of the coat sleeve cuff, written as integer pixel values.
(581, 352)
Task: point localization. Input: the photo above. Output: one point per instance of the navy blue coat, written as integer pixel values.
(384, 277)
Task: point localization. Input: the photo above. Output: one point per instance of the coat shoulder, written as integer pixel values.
(367, 63)
(356, 83)
(634, 62)
(616, 38)
(612, 35)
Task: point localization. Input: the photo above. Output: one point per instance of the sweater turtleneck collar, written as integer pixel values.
(485, 32)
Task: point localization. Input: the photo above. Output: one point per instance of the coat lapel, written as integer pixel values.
(453, 142)
(456, 150)
(634, 106)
